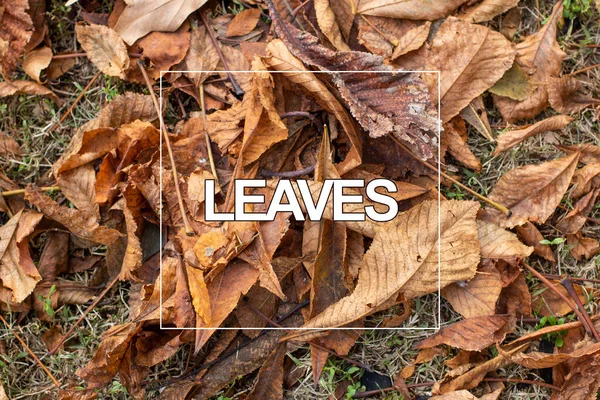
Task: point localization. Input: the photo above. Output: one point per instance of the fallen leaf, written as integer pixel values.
(476, 297)
(17, 28)
(59, 66)
(476, 115)
(454, 135)
(499, 244)
(540, 56)
(582, 382)
(511, 23)
(583, 248)
(577, 217)
(479, 57)
(37, 60)
(244, 22)
(563, 96)
(409, 9)
(530, 235)
(104, 48)
(327, 22)
(537, 359)
(9, 146)
(473, 334)
(202, 56)
(584, 178)
(546, 302)
(28, 88)
(269, 383)
(487, 10)
(532, 192)
(512, 138)
(142, 17)
(77, 185)
(514, 84)
(406, 248)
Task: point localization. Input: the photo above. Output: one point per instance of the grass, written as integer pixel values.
(28, 119)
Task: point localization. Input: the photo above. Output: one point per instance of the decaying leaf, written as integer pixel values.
(411, 9)
(17, 28)
(487, 9)
(244, 22)
(28, 88)
(563, 96)
(37, 60)
(531, 236)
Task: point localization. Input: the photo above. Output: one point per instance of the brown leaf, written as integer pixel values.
(55, 256)
(282, 60)
(487, 10)
(9, 146)
(583, 248)
(404, 108)
(199, 294)
(511, 23)
(584, 178)
(17, 270)
(477, 297)
(512, 138)
(107, 360)
(577, 217)
(563, 96)
(17, 28)
(269, 382)
(532, 192)
(327, 22)
(547, 302)
(59, 66)
(406, 249)
(530, 235)
(142, 17)
(244, 22)
(515, 299)
(411, 9)
(454, 135)
(78, 222)
(582, 382)
(77, 185)
(540, 56)
(474, 334)
(470, 58)
(536, 359)
(499, 244)
(104, 48)
(202, 56)
(27, 88)
(476, 115)
(35, 61)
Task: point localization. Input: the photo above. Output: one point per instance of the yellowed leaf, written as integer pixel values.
(104, 48)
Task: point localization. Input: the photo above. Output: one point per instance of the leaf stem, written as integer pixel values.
(211, 159)
(77, 100)
(37, 360)
(186, 224)
(457, 183)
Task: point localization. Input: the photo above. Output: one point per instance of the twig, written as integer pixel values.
(525, 381)
(238, 90)
(76, 55)
(584, 69)
(568, 285)
(37, 360)
(186, 224)
(17, 192)
(564, 298)
(85, 313)
(72, 107)
(287, 174)
(211, 159)
(556, 276)
(181, 107)
(446, 176)
(298, 114)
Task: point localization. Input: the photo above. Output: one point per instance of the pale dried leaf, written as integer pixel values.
(512, 138)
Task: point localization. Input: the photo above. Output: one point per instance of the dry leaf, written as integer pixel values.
(473, 334)
(584, 178)
(512, 138)
(514, 84)
(477, 297)
(476, 115)
(409, 9)
(547, 302)
(583, 248)
(328, 24)
(17, 28)
(9, 146)
(37, 60)
(487, 10)
(244, 22)
(540, 56)
(144, 16)
(530, 235)
(563, 96)
(27, 88)
(470, 58)
(269, 383)
(499, 244)
(104, 48)
(577, 217)
(532, 192)
(407, 249)
(454, 135)
(202, 56)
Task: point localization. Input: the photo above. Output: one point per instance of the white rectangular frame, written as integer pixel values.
(439, 294)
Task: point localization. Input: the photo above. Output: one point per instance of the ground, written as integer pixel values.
(29, 120)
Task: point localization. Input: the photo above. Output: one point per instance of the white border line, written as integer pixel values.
(439, 300)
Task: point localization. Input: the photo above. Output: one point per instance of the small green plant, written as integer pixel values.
(47, 301)
(555, 337)
(575, 8)
(554, 241)
(354, 388)
(455, 194)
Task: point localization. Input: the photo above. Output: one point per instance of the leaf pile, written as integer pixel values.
(300, 115)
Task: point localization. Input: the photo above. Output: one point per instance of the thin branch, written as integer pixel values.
(72, 107)
(238, 90)
(568, 285)
(17, 192)
(186, 224)
(37, 360)
(525, 381)
(77, 55)
(287, 174)
(86, 312)
(584, 69)
(564, 298)
(446, 176)
(211, 159)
